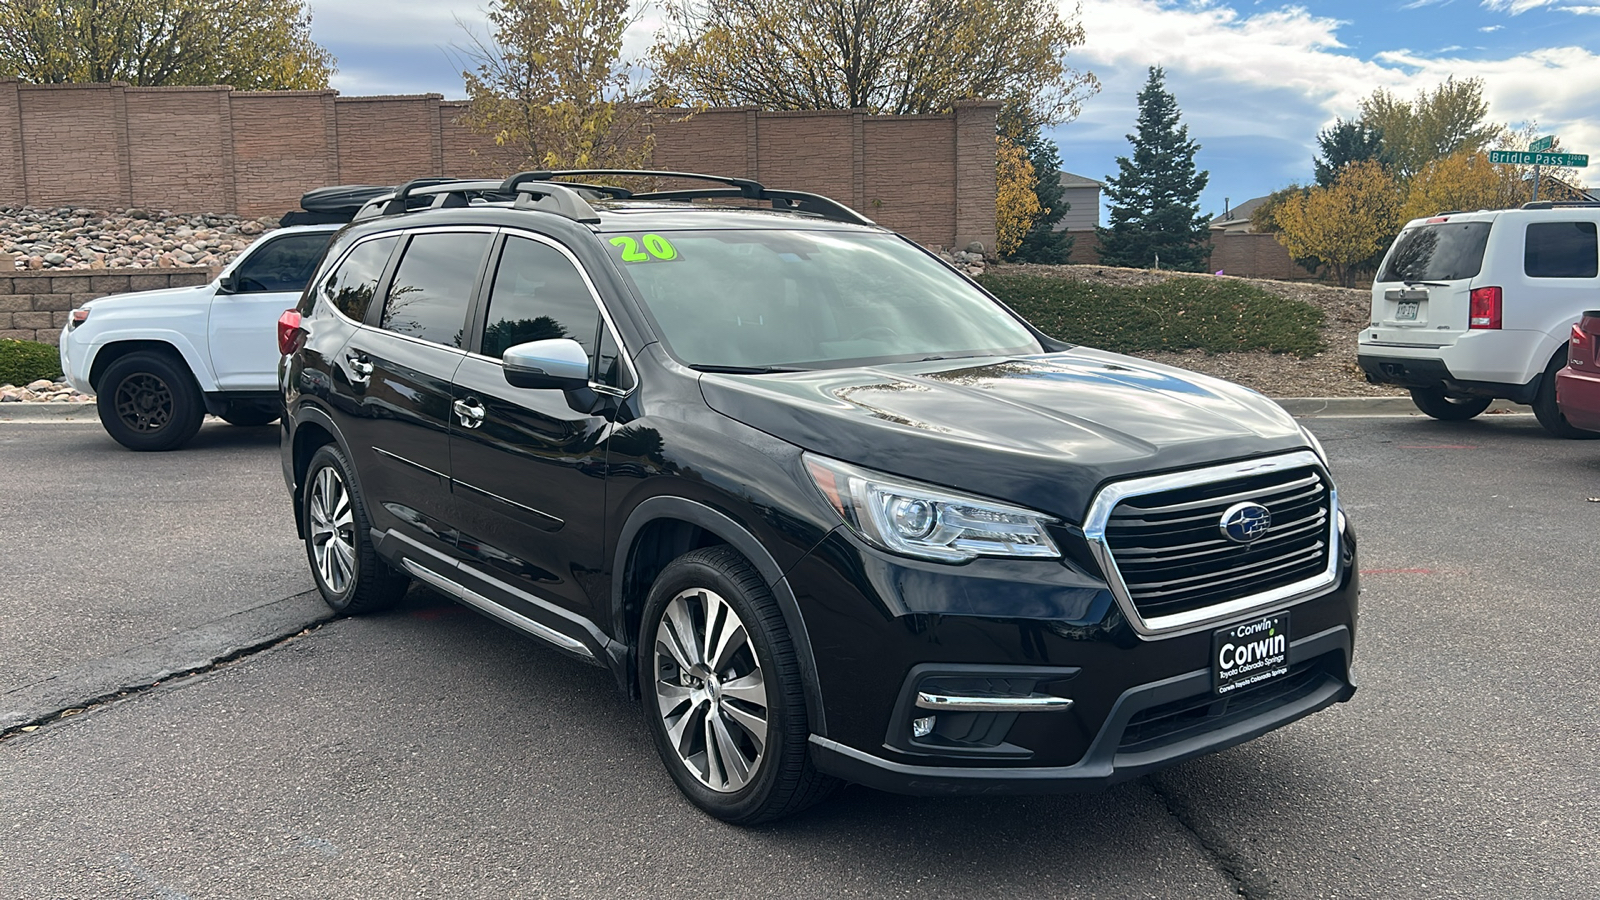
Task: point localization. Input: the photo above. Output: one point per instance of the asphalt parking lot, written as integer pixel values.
(431, 752)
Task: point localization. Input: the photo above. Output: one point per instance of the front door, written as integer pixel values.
(528, 471)
(243, 342)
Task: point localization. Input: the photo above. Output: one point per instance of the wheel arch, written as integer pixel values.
(171, 344)
(659, 530)
(312, 428)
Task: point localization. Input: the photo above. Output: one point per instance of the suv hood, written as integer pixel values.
(158, 296)
(1043, 432)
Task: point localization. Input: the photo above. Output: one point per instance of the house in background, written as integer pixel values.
(1083, 198)
(1235, 219)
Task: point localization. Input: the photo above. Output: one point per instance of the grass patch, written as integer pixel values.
(1217, 315)
(24, 361)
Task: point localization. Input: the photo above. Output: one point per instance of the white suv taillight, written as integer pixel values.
(1484, 311)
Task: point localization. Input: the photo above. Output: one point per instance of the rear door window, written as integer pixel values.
(1445, 251)
(350, 287)
(431, 289)
(1561, 250)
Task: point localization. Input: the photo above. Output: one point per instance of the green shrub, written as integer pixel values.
(24, 361)
(1217, 315)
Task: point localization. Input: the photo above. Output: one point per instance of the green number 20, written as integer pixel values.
(656, 246)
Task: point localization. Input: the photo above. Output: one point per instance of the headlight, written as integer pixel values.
(1316, 445)
(925, 521)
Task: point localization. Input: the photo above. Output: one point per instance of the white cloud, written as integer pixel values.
(1490, 29)
(1583, 10)
(1516, 7)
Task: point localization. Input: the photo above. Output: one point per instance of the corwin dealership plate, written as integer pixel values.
(1250, 652)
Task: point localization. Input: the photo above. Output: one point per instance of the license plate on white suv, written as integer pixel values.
(1250, 653)
(1406, 311)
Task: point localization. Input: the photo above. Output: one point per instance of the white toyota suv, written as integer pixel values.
(1473, 307)
(158, 361)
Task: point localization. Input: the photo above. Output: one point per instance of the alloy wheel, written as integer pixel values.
(333, 530)
(710, 691)
(144, 402)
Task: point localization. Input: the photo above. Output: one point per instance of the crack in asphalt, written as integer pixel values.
(1226, 860)
(109, 697)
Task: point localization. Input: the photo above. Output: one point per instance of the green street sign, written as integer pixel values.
(1519, 158)
(1542, 144)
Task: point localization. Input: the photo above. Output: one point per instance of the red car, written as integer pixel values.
(1578, 383)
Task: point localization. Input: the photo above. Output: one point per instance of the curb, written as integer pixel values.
(1313, 407)
(49, 412)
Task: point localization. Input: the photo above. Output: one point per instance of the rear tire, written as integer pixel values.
(350, 575)
(1437, 404)
(149, 402)
(1544, 403)
(732, 731)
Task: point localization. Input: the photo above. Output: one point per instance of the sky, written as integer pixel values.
(1255, 81)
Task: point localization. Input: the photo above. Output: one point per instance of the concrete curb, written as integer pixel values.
(48, 412)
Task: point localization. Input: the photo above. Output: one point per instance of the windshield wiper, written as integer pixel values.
(743, 370)
(1425, 283)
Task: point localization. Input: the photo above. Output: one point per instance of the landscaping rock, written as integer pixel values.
(35, 238)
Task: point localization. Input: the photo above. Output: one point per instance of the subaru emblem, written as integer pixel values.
(1244, 522)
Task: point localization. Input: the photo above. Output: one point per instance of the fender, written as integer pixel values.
(309, 413)
(199, 365)
(724, 527)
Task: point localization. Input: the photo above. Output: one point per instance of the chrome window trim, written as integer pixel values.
(1190, 621)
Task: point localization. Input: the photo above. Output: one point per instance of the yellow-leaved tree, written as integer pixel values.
(1345, 223)
(1016, 202)
(1463, 181)
(551, 87)
(254, 46)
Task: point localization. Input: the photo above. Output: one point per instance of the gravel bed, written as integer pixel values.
(41, 239)
(42, 391)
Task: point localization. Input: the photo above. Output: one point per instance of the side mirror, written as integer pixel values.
(558, 363)
(228, 284)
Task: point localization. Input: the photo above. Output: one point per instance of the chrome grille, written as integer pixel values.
(1173, 557)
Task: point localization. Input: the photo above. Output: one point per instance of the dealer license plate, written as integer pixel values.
(1250, 653)
(1406, 311)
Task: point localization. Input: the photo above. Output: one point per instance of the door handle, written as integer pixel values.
(470, 412)
(360, 366)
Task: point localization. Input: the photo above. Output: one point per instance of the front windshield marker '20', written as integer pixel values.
(656, 248)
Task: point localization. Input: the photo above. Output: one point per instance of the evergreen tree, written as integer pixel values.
(1343, 144)
(1042, 243)
(1155, 201)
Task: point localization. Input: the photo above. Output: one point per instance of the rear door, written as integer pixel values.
(1559, 274)
(396, 371)
(528, 469)
(1423, 292)
(243, 342)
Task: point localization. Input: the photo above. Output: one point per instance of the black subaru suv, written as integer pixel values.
(830, 509)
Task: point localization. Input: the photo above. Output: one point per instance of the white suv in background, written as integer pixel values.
(1473, 307)
(158, 361)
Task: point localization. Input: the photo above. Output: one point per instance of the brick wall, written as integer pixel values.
(1245, 255)
(214, 149)
(34, 305)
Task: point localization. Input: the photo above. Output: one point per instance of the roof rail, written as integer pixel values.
(535, 192)
(737, 188)
(444, 191)
(1561, 204)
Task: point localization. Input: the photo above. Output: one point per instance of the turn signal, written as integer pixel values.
(291, 337)
(1484, 309)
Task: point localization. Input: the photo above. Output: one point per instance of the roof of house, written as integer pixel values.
(1070, 180)
(1239, 213)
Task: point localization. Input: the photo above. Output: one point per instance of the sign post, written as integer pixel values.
(1538, 155)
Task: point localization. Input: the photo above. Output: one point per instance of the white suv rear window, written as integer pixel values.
(1447, 251)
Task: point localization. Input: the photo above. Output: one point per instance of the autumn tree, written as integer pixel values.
(551, 87)
(1345, 224)
(256, 45)
(1016, 203)
(1155, 198)
(1448, 119)
(1464, 181)
(882, 56)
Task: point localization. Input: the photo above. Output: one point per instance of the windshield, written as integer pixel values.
(1447, 251)
(749, 299)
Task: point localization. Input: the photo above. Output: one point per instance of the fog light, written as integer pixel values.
(922, 727)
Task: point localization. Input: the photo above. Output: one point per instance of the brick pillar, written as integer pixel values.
(13, 179)
(975, 156)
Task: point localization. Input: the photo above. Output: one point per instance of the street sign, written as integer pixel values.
(1542, 144)
(1519, 158)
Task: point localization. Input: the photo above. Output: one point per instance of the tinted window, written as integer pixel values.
(351, 286)
(1561, 250)
(429, 294)
(283, 264)
(537, 295)
(1447, 251)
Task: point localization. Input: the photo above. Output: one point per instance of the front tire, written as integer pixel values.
(1545, 408)
(149, 402)
(350, 575)
(1434, 402)
(722, 691)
